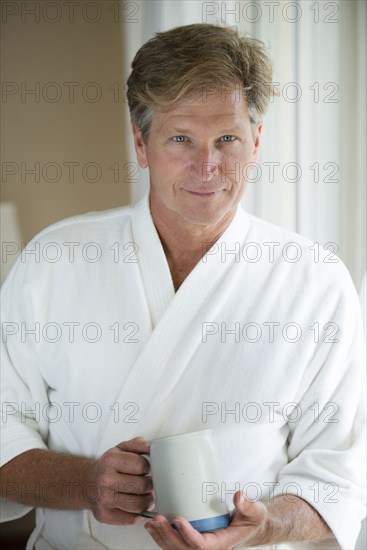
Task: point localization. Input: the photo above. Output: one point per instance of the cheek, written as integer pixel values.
(166, 171)
(243, 163)
(155, 163)
(235, 163)
(171, 165)
(242, 153)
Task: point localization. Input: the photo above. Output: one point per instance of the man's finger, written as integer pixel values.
(127, 462)
(133, 503)
(136, 445)
(136, 485)
(189, 534)
(164, 535)
(155, 534)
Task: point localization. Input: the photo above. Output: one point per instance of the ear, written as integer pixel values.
(257, 134)
(140, 146)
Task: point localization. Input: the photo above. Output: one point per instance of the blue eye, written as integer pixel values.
(179, 139)
(232, 138)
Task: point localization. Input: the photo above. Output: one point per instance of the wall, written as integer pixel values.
(74, 114)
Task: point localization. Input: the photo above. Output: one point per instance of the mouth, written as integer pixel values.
(203, 193)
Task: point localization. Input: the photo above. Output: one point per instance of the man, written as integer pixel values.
(189, 316)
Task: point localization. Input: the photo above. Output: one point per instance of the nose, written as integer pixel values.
(205, 164)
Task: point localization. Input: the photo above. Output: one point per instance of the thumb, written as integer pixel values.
(249, 511)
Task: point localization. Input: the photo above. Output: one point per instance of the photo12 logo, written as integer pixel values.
(269, 11)
(69, 11)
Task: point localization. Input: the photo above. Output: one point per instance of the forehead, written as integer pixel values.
(228, 108)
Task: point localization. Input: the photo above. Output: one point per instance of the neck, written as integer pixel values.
(185, 244)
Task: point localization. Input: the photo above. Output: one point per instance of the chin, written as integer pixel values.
(203, 218)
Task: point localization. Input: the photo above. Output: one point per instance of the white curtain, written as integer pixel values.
(312, 177)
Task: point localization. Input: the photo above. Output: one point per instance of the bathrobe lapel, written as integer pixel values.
(165, 355)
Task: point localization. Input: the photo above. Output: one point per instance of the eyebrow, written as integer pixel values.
(223, 131)
(180, 130)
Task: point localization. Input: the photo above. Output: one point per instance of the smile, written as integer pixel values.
(203, 193)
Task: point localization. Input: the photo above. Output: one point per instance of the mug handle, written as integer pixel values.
(149, 515)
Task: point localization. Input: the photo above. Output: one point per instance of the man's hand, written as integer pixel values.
(115, 487)
(248, 524)
(287, 518)
(119, 486)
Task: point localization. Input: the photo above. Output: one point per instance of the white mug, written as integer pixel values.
(183, 467)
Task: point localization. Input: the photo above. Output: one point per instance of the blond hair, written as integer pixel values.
(179, 63)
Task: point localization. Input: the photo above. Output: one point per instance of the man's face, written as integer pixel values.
(197, 154)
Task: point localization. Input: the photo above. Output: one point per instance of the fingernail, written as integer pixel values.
(156, 524)
(178, 523)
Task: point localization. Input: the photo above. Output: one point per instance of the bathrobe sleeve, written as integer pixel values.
(23, 390)
(326, 429)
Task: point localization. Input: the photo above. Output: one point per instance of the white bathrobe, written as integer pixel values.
(262, 343)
